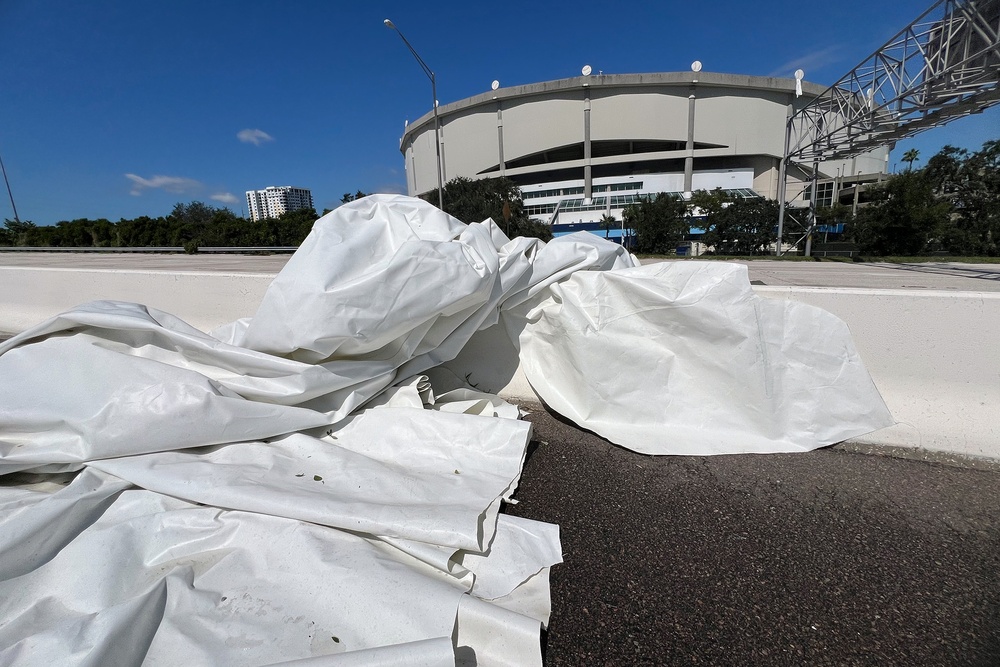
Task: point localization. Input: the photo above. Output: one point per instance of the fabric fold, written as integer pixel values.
(292, 489)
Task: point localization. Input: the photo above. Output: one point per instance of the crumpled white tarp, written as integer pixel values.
(137, 577)
(683, 358)
(289, 489)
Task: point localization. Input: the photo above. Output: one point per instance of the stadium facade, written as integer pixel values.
(587, 146)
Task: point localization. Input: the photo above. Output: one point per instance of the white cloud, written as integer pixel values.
(255, 137)
(169, 183)
(225, 197)
(391, 189)
(815, 61)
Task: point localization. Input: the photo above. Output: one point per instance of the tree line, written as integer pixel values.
(951, 206)
(196, 224)
(189, 226)
(732, 226)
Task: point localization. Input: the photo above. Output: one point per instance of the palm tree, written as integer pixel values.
(607, 222)
(911, 156)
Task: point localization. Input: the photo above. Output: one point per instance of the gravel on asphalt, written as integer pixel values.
(823, 558)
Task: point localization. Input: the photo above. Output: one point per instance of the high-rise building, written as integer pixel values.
(272, 201)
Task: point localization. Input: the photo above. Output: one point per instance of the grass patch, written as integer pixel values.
(930, 259)
(729, 258)
(935, 259)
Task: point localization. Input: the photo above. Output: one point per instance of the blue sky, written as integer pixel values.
(119, 109)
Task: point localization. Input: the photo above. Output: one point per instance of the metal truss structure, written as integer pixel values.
(942, 66)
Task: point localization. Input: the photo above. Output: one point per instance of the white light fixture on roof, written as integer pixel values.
(495, 84)
(587, 69)
(696, 66)
(799, 74)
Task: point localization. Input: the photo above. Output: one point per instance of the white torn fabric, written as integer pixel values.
(415, 392)
(683, 358)
(396, 472)
(155, 580)
(425, 653)
(500, 638)
(470, 402)
(389, 279)
(523, 549)
(133, 330)
(292, 489)
(38, 520)
(96, 403)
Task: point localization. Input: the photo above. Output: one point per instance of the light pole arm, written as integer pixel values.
(12, 205)
(434, 105)
(423, 65)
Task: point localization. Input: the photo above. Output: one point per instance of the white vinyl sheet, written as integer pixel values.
(291, 490)
(683, 358)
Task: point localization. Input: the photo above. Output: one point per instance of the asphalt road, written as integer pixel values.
(824, 558)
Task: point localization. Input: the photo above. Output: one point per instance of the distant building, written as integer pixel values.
(272, 201)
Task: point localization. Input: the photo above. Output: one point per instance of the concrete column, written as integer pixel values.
(588, 182)
(500, 136)
(782, 194)
(444, 170)
(411, 173)
(689, 159)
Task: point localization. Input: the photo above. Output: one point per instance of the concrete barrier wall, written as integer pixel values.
(203, 299)
(932, 354)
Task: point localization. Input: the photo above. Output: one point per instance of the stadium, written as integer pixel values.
(588, 146)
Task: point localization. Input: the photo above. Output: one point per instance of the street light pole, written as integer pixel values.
(12, 205)
(437, 123)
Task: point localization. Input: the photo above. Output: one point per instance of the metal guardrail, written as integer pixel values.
(234, 250)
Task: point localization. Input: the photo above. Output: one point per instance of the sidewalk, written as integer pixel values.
(823, 558)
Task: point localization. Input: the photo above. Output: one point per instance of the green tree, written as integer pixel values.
(348, 197)
(481, 199)
(294, 226)
(141, 232)
(833, 215)
(903, 218)
(21, 233)
(744, 227)
(971, 185)
(909, 157)
(475, 200)
(101, 231)
(608, 222)
(704, 206)
(708, 203)
(983, 198)
(6, 234)
(79, 233)
(660, 223)
(189, 223)
(946, 171)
